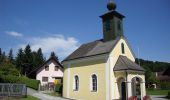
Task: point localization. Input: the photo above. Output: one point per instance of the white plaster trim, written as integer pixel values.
(107, 78)
(68, 82)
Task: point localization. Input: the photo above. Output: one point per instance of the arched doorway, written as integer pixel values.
(122, 88)
(136, 87)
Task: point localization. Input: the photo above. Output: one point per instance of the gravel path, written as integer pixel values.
(42, 96)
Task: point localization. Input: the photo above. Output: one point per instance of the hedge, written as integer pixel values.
(32, 83)
(165, 85)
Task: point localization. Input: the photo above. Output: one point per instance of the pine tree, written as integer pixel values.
(28, 59)
(10, 56)
(54, 55)
(40, 58)
(0, 55)
(3, 57)
(20, 60)
(0, 52)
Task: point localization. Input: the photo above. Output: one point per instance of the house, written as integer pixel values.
(163, 76)
(50, 71)
(104, 69)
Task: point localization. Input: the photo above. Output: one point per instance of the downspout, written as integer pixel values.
(126, 87)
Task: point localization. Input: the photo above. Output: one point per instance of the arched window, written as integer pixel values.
(94, 82)
(123, 48)
(76, 83)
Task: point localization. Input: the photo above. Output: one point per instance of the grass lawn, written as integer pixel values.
(27, 98)
(157, 92)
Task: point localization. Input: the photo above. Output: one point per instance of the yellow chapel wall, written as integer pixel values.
(84, 70)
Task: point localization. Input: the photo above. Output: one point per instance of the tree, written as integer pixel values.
(0, 52)
(28, 59)
(0, 55)
(40, 58)
(10, 56)
(54, 55)
(20, 60)
(7, 68)
(3, 57)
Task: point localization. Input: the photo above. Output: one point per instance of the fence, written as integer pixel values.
(13, 90)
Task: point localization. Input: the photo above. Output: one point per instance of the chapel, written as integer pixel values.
(104, 69)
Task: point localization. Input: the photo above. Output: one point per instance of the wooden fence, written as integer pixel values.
(13, 90)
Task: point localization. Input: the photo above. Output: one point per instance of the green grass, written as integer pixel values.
(29, 98)
(157, 92)
(24, 98)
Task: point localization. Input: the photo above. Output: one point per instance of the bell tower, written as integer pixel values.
(112, 22)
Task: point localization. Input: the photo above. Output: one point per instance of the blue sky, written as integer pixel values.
(63, 25)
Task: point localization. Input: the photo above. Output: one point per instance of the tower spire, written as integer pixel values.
(111, 5)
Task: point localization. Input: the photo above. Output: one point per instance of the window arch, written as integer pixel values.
(94, 82)
(76, 83)
(123, 48)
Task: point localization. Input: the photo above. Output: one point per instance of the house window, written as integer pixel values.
(56, 68)
(46, 68)
(123, 48)
(76, 83)
(94, 82)
(45, 79)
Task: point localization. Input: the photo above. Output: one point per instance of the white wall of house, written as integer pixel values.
(51, 73)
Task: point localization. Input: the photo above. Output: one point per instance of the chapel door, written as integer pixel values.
(123, 90)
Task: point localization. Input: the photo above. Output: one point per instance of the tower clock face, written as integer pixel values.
(107, 25)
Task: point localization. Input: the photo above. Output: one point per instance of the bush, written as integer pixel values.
(59, 88)
(165, 85)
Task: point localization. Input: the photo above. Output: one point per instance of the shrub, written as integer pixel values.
(165, 85)
(58, 88)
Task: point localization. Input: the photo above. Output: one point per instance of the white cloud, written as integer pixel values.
(61, 45)
(13, 33)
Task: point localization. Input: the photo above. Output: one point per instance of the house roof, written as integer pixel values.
(51, 58)
(123, 63)
(93, 48)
